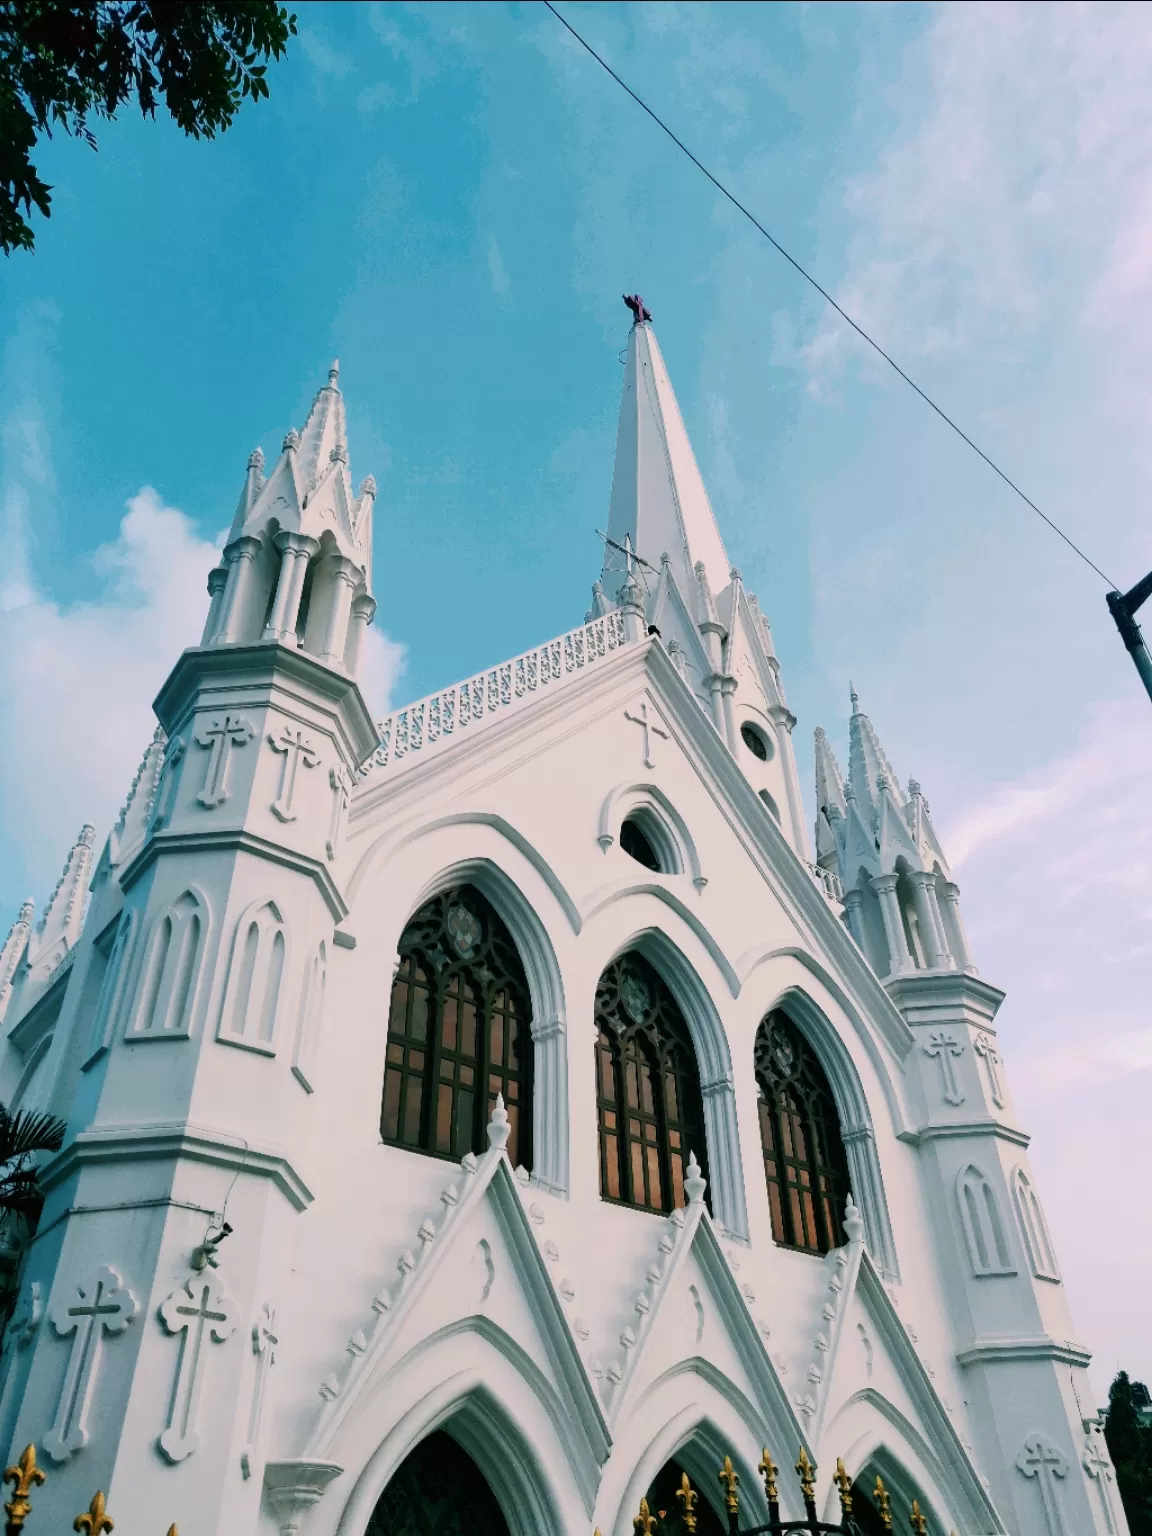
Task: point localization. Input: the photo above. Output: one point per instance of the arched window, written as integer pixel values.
(647, 1089)
(805, 1165)
(459, 1032)
(437, 1490)
(637, 845)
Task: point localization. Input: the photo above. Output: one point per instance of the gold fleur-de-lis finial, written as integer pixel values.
(806, 1472)
(97, 1521)
(172, 1531)
(23, 1476)
(843, 1487)
(768, 1470)
(883, 1504)
(731, 1480)
(644, 1524)
(917, 1520)
(687, 1496)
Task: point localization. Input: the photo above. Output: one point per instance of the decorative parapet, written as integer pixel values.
(827, 879)
(440, 717)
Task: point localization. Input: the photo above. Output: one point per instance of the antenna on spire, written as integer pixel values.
(334, 374)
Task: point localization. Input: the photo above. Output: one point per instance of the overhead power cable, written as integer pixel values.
(823, 292)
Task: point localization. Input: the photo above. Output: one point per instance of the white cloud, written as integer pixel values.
(325, 59)
(496, 269)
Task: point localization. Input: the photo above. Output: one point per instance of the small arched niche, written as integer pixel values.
(639, 837)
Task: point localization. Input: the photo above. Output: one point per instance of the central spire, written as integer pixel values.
(659, 504)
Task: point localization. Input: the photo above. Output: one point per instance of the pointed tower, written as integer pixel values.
(662, 533)
(183, 1049)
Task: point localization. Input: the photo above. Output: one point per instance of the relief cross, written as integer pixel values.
(650, 729)
(264, 1342)
(297, 749)
(1098, 1466)
(197, 1307)
(1040, 1459)
(985, 1047)
(947, 1049)
(219, 738)
(99, 1304)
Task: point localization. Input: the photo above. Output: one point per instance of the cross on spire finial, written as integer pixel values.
(639, 312)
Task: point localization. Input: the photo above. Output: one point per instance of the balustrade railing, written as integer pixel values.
(827, 879)
(447, 714)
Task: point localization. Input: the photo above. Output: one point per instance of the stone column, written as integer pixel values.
(343, 576)
(728, 709)
(931, 924)
(217, 581)
(240, 558)
(854, 907)
(963, 956)
(898, 956)
(363, 607)
(296, 549)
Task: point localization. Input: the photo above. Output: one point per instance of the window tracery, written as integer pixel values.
(983, 1223)
(805, 1164)
(459, 1032)
(649, 1105)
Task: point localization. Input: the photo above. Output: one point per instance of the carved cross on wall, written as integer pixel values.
(197, 1307)
(297, 750)
(219, 738)
(264, 1342)
(650, 729)
(1098, 1465)
(946, 1048)
(985, 1048)
(1043, 1461)
(98, 1304)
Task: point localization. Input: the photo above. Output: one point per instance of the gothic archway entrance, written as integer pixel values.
(437, 1490)
(667, 1509)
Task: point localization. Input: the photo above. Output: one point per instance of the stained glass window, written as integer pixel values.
(459, 1032)
(804, 1160)
(647, 1089)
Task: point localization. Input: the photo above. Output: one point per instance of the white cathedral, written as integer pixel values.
(481, 1119)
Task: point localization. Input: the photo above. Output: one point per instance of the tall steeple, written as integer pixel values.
(868, 767)
(663, 539)
(659, 502)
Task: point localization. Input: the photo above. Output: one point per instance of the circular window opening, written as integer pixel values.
(773, 808)
(635, 844)
(755, 743)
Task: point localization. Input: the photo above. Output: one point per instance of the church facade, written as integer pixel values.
(481, 1118)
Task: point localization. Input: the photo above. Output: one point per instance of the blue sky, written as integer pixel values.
(452, 200)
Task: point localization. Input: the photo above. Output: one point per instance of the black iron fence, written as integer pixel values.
(852, 1522)
(25, 1476)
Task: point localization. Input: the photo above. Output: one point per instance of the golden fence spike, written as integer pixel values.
(97, 1521)
(806, 1471)
(768, 1470)
(687, 1497)
(644, 1524)
(917, 1520)
(23, 1477)
(883, 1504)
(172, 1531)
(731, 1480)
(843, 1487)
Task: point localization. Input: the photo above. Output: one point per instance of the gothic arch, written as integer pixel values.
(257, 979)
(29, 1074)
(677, 846)
(856, 1126)
(168, 982)
(389, 845)
(875, 1438)
(499, 1408)
(714, 1063)
(700, 1418)
(550, 1136)
(1033, 1227)
(113, 992)
(310, 1019)
(670, 899)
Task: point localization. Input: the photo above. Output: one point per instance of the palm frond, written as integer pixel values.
(28, 1131)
